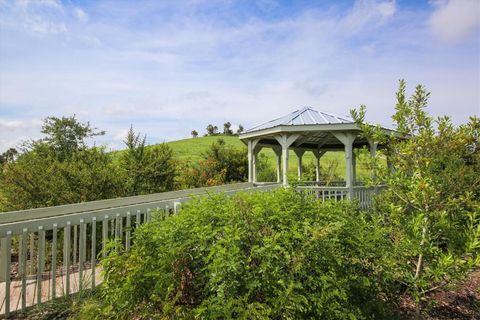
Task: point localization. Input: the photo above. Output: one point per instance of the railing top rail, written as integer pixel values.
(325, 188)
(38, 213)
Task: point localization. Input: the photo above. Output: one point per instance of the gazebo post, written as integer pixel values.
(256, 151)
(373, 150)
(251, 144)
(347, 139)
(286, 141)
(299, 154)
(278, 156)
(318, 154)
(354, 167)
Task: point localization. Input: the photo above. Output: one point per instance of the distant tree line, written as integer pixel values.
(212, 130)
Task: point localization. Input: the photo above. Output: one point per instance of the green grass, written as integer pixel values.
(192, 149)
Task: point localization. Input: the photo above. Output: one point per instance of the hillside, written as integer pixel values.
(193, 149)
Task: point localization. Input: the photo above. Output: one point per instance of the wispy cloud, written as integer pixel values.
(170, 67)
(454, 20)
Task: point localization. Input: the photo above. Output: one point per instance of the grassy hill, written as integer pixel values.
(193, 148)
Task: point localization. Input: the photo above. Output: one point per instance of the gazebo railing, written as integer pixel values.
(362, 194)
(51, 252)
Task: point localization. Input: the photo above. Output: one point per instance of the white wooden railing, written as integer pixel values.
(362, 194)
(50, 252)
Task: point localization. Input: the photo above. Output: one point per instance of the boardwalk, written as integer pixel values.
(31, 285)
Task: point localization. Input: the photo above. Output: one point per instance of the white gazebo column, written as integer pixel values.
(278, 158)
(251, 144)
(354, 167)
(299, 154)
(286, 141)
(256, 151)
(347, 139)
(318, 154)
(373, 150)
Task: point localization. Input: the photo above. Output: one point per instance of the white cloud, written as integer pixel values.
(81, 15)
(369, 13)
(454, 20)
(11, 124)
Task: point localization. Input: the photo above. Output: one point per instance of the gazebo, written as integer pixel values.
(308, 130)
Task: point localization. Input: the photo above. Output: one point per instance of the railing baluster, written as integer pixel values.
(66, 256)
(137, 219)
(23, 265)
(81, 255)
(104, 235)
(75, 245)
(94, 250)
(127, 235)
(54, 262)
(117, 226)
(41, 262)
(6, 257)
(32, 252)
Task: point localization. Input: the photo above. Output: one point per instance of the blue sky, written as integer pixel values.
(168, 67)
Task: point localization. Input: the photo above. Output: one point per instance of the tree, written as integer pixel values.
(8, 156)
(39, 179)
(58, 169)
(227, 129)
(432, 201)
(146, 169)
(240, 129)
(210, 130)
(194, 133)
(66, 134)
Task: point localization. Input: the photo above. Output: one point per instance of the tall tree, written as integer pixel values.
(66, 134)
(194, 133)
(210, 130)
(147, 169)
(8, 156)
(227, 129)
(240, 129)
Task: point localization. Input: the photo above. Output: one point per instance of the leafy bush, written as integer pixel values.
(38, 178)
(433, 196)
(252, 256)
(146, 170)
(221, 164)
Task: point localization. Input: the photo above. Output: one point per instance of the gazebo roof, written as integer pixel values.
(304, 116)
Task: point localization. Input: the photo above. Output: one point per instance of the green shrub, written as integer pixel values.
(252, 256)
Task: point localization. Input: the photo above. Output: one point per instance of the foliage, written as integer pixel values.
(66, 135)
(201, 173)
(432, 203)
(252, 256)
(234, 161)
(37, 178)
(221, 163)
(8, 156)
(58, 169)
(212, 130)
(194, 133)
(240, 129)
(227, 129)
(146, 170)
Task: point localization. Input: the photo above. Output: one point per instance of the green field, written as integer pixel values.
(193, 148)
